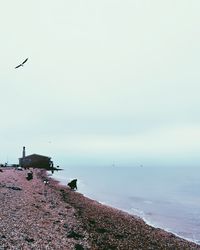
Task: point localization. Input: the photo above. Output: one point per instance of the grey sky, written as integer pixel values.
(109, 80)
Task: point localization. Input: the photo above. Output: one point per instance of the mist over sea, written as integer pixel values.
(165, 197)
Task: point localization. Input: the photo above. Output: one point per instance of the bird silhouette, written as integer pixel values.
(22, 64)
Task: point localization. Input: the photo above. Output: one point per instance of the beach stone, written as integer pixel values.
(56, 222)
(61, 214)
(74, 235)
(29, 239)
(79, 247)
(65, 225)
(120, 236)
(36, 206)
(15, 188)
(102, 230)
(93, 222)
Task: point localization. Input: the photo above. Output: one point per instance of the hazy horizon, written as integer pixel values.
(109, 81)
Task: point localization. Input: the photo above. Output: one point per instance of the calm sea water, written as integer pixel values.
(167, 198)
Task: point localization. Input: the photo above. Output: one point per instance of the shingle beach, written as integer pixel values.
(35, 215)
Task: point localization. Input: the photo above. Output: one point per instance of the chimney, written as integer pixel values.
(23, 153)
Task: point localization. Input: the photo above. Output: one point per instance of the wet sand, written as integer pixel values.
(38, 216)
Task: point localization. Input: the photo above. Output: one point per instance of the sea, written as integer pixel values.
(164, 197)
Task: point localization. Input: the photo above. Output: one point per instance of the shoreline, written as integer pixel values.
(142, 217)
(135, 216)
(39, 216)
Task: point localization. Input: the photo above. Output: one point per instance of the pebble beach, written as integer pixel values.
(36, 215)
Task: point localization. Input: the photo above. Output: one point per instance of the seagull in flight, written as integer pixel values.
(22, 64)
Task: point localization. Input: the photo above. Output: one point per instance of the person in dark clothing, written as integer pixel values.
(73, 184)
(29, 176)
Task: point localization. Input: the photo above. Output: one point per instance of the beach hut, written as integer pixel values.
(35, 161)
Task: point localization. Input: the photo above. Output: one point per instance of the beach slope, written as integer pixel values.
(35, 215)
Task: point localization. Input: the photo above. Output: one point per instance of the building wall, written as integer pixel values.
(35, 161)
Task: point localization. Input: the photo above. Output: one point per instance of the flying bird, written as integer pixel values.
(22, 64)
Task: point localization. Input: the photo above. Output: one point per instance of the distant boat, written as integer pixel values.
(21, 64)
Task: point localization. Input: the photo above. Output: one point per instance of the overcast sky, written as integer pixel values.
(106, 81)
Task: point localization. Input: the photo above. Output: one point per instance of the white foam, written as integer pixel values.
(141, 214)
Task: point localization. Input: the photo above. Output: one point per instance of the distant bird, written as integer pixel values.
(22, 64)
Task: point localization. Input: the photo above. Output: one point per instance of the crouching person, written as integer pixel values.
(73, 184)
(29, 176)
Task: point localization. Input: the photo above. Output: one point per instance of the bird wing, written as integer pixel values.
(25, 60)
(18, 66)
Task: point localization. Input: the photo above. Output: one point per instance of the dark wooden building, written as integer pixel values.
(35, 161)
